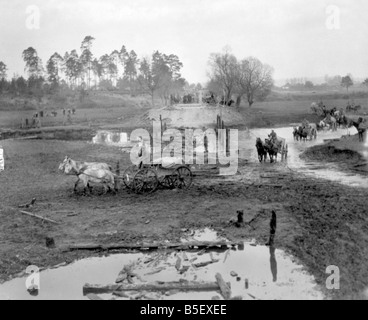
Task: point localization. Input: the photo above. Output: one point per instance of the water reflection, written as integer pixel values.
(252, 266)
(273, 263)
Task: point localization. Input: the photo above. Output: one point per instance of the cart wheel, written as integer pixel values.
(167, 182)
(145, 181)
(182, 178)
(128, 176)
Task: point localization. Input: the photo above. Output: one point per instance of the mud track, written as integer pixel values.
(320, 222)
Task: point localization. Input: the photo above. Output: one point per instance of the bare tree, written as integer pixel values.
(224, 71)
(254, 79)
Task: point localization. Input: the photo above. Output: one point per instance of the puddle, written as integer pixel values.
(255, 272)
(328, 170)
(201, 235)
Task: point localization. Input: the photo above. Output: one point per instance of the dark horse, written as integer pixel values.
(262, 152)
(272, 149)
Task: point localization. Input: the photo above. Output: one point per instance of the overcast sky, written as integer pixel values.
(290, 35)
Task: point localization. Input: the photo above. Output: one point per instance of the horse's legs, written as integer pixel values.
(76, 185)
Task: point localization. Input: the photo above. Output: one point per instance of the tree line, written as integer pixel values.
(330, 82)
(158, 75)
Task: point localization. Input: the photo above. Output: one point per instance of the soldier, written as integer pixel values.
(272, 136)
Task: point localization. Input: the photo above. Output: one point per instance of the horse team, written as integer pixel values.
(273, 146)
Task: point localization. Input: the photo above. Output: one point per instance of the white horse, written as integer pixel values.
(90, 174)
(324, 125)
(80, 166)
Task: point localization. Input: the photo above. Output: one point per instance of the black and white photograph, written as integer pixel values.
(183, 154)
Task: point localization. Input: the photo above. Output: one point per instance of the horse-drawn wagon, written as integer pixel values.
(167, 172)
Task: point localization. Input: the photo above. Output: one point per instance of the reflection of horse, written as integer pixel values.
(262, 152)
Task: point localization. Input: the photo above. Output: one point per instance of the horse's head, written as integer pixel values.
(62, 165)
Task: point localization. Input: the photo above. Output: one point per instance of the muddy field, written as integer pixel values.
(320, 222)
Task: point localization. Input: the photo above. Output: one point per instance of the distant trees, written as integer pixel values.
(309, 85)
(248, 77)
(3, 70)
(53, 67)
(73, 67)
(347, 82)
(365, 82)
(334, 81)
(160, 74)
(87, 58)
(33, 62)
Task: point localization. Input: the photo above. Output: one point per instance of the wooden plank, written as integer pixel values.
(159, 286)
(176, 246)
(38, 217)
(94, 297)
(224, 287)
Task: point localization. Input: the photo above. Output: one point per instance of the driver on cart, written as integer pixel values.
(273, 136)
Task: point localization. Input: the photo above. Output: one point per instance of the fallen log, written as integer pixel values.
(203, 264)
(38, 217)
(224, 287)
(159, 286)
(93, 297)
(28, 205)
(175, 246)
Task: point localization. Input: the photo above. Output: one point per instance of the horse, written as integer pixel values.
(275, 146)
(331, 121)
(81, 166)
(262, 152)
(342, 121)
(93, 174)
(296, 134)
(301, 133)
(310, 132)
(360, 128)
(357, 108)
(314, 108)
(323, 125)
(272, 149)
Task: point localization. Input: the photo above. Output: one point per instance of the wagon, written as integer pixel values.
(146, 178)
